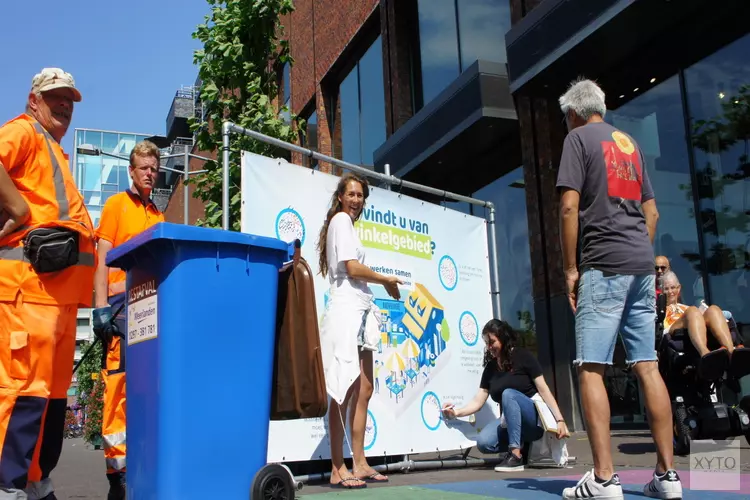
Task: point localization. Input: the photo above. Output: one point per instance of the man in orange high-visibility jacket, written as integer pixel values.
(124, 215)
(46, 272)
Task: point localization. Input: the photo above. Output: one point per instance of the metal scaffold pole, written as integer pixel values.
(228, 128)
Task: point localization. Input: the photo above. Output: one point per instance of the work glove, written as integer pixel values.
(104, 325)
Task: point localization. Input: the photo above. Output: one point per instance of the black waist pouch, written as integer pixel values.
(51, 249)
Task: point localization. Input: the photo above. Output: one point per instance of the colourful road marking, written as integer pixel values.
(398, 493)
(527, 488)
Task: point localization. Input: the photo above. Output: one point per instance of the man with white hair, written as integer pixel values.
(604, 185)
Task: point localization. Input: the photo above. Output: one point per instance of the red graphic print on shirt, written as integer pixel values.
(624, 174)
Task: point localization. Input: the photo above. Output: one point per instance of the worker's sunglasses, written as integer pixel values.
(660, 268)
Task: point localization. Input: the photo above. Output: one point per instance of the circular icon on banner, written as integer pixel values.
(468, 328)
(371, 430)
(448, 273)
(289, 226)
(431, 413)
(623, 142)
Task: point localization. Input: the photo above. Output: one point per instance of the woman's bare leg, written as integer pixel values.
(336, 417)
(717, 323)
(360, 467)
(696, 327)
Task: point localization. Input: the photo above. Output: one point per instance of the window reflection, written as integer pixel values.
(125, 145)
(372, 102)
(350, 133)
(287, 83)
(94, 138)
(109, 142)
(718, 91)
(286, 93)
(656, 121)
(453, 34)
(514, 256)
(482, 25)
(310, 140)
(438, 37)
(361, 109)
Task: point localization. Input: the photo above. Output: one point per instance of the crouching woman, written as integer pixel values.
(511, 376)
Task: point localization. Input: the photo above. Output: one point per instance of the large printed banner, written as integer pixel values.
(431, 349)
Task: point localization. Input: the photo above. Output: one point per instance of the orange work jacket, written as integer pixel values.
(125, 215)
(38, 167)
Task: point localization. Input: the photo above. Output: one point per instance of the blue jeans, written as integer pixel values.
(609, 304)
(523, 425)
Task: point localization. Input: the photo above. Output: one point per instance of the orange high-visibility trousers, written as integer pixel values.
(37, 346)
(113, 414)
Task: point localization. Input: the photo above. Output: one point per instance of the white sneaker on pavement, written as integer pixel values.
(667, 486)
(589, 488)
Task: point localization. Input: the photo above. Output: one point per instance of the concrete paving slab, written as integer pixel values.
(80, 475)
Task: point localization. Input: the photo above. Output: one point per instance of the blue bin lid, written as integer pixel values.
(183, 232)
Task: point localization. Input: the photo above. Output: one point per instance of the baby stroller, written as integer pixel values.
(702, 408)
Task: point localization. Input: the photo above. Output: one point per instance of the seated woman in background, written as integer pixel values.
(511, 376)
(712, 363)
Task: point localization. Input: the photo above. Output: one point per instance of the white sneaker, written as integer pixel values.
(666, 486)
(588, 487)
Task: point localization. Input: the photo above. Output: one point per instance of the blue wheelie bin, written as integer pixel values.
(201, 313)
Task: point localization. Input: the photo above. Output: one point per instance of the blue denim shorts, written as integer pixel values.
(609, 304)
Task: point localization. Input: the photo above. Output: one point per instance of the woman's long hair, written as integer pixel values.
(508, 337)
(335, 208)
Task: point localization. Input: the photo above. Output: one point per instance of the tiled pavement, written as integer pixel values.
(80, 475)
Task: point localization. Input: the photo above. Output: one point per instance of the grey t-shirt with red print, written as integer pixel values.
(607, 168)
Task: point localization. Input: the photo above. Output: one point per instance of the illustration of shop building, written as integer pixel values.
(423, 320)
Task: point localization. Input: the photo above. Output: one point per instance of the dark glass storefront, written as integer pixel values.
(679, 85)
(694, 129)
(514, 258)
(691, 117)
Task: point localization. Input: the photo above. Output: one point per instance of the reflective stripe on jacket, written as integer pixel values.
(39, 169)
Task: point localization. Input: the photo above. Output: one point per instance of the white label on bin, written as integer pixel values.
(142, 317)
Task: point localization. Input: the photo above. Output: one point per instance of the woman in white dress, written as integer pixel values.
(349, 330)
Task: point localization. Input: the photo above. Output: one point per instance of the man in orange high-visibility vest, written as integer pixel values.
(46, 272)
(124, 215)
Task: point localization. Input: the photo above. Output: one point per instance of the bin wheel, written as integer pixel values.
(272, 482)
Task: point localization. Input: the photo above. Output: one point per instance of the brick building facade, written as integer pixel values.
(462, 95)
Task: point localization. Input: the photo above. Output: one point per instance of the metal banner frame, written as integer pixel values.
(228, 128)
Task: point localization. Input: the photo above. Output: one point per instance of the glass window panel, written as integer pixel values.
(125, 145)
(656, 121)
(311, 138)
(311, 134)
(514, 256)
(80, 137)
(124, 178)
(350, 132)
(438, 40)
(78, 170)
(372, 99)
(94, 138)
(111, 172)
(109, 142)
(718, 91)
(287, 83)
(482, 25)
(92, 173)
